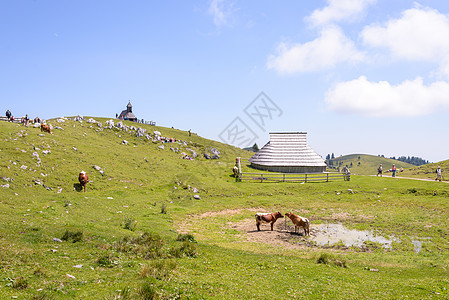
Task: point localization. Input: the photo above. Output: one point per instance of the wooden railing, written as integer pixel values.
(294, 177)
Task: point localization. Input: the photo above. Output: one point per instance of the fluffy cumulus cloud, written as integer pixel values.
(221, 12)
(419, 35)
(338, 10)
(329, 49)
(380, 99)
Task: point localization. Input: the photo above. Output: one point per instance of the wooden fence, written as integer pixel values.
(294, 177)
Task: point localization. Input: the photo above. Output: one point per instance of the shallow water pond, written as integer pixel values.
(330, 234)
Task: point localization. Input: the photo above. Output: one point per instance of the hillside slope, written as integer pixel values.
(29, 156)
(153, 225)
(364, 164)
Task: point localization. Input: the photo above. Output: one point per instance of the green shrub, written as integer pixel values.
(329, 259)
(74, 236)
(159, 269)
(185, 237)
(148, 292)
(130, 224)
(20, 283)
(163, 208)
(149, 245)
(107, 260)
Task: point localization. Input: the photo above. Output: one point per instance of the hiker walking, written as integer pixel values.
(379, 170)
(393, 169)
(438, 171)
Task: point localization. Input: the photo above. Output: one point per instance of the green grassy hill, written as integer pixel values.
(153, 225)
(364, 164)
(428, 171)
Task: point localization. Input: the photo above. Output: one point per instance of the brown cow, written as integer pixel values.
(267, 218)
(46, 128)
(299, 222)
(83, 179)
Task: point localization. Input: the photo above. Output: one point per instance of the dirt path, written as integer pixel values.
(401, 177)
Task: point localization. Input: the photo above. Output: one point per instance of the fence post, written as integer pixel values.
(261, 177)
(283, 179)
(327, 177)
(305, 178)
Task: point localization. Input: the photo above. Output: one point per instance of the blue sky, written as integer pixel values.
(359, 76)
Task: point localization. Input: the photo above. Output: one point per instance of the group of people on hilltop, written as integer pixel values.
(393, 170)
(24, 120)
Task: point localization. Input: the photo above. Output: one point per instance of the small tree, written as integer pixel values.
(255, 147)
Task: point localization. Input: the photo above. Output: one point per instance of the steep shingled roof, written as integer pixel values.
(287, 149)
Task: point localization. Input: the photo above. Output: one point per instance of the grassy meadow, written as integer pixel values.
(139, 233)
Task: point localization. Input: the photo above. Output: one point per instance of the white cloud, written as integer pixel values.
(221, 11)
(419, 35)
(338, 10)
(380, 99)
(331, 48)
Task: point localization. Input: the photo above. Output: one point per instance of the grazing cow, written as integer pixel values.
(267, 218)
(83, 179)
(236, 171)
(46, 128)
(299, 222)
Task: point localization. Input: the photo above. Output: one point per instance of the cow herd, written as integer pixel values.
(271, 218)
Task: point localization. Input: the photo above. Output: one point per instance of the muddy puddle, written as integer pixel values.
(331, 234)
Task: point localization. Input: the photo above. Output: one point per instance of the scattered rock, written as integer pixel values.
(60, 128)
(194, 154)
(197, 197)
(91, 121)
(78, 118)
(161, 147)
(5, 185)
(99, 169)
(140, 132)
(110, 124)
(57, 240)
(157, 133)
(42, 134)
(78, 266)
(351, 191)
(46, 151)
(23, 167)
(195, 190)
(125, 142)
(206, 155)
(215, 151)
(70, 276)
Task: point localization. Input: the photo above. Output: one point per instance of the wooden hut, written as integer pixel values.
(288, 152)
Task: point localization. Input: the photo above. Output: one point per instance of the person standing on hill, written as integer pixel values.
(393, 169)
(379, 170)
(438, 171)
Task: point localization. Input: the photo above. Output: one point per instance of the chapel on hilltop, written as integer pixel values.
(127, 114)
(288, 152)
